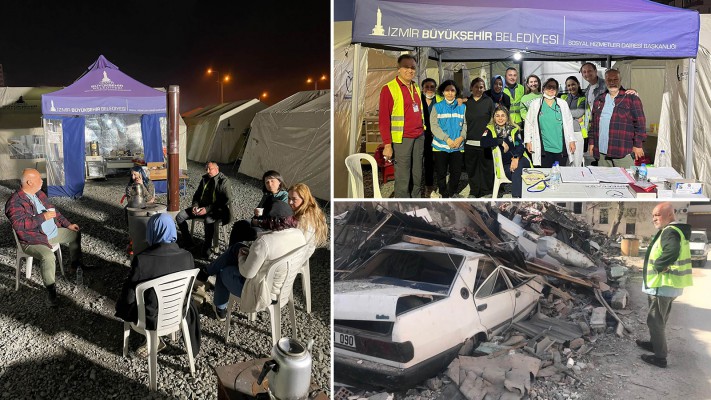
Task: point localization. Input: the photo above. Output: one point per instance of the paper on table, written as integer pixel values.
(662, 173)
(577, 175)
(608, 191)
(611, 174)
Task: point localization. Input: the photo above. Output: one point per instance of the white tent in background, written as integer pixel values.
(217, 133)
(294, 138)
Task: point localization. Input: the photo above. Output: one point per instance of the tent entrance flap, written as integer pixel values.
(65, 175)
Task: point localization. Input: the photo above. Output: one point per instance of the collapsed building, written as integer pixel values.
(518, 287)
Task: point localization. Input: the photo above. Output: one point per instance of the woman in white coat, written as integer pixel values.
(548, 132)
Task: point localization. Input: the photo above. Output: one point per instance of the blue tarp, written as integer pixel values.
(459, 28)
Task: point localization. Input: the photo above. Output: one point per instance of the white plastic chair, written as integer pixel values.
(499, 173)
(292, 262)
(28, 261)
(355, 173)
(173, 293)
(306, 277)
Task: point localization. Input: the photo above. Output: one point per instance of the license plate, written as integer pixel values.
(345, 339)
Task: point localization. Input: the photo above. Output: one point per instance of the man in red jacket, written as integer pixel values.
(402, 127)
(39, 226)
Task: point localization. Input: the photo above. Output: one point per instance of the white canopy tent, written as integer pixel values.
(294, 138)
(218, 133)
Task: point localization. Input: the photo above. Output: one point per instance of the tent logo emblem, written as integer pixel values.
(378, 28)
(106, 84)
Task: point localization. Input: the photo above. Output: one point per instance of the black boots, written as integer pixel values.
(650, 359)
(52, 300)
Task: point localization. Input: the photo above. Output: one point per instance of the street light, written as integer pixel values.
(220, 82)
(315, 82)
(264, 95)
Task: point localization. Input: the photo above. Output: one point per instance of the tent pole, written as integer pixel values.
(355, 99)
(689, 167)
(173, 148)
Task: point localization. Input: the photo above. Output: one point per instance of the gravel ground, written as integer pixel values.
(75, 351)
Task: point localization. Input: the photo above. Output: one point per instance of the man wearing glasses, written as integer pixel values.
(402, 125)
(618, 126)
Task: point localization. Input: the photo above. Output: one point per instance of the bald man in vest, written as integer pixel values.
(402, 126)
(666, 272)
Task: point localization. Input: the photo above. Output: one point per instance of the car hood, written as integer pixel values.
(363, 300)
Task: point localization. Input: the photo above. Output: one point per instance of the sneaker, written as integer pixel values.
(220, 313)
(650, 359)
(645, 345)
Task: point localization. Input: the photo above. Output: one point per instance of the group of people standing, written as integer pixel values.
(435, 132)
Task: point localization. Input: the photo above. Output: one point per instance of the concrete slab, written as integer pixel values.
(619, 299)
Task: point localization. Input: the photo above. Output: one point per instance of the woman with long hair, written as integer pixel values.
(578, 105)
(312, 220)
(533, 91)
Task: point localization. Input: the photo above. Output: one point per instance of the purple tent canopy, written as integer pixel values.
(460, 29)
(104, 90)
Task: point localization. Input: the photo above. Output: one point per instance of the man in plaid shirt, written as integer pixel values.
(618, 127)
(39, 226)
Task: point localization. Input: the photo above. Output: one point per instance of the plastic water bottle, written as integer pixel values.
(80, 277)
(662, 160)
(554, 180)
(642, 173)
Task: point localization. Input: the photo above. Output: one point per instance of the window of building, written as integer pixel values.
(630, 228)
(577, 208)
(603, 216)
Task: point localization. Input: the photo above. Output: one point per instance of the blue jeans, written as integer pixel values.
(229, 280)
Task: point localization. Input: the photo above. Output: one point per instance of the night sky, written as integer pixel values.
(263, 45)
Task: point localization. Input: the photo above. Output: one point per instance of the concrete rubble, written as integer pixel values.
(544, 357)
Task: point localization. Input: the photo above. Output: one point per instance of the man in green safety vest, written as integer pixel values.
(666, 272)
(402, 125)
(515, 91)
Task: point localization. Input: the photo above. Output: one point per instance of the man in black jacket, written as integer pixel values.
(211, 202)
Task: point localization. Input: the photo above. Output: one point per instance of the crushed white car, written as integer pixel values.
(699, 247)
(403, 315)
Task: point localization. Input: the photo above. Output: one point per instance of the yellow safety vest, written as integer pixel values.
(586, 117)
(397, 116)
(679, 273)
(497, 154)
(515, 111)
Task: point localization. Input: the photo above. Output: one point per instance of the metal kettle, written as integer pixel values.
(137, 196)
(289, 370)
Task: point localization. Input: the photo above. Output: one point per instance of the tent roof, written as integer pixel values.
(302, 101)
(216, 109)
(544, 28)
(104, 89)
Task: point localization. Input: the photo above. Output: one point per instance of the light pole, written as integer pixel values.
(220, 82)
(315, 81)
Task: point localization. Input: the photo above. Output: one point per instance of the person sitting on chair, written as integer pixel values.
(211, 201)
(274, 189)
(239, 269)
(162, 257)
(39, 226)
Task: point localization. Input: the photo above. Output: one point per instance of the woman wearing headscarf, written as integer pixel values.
(548, 133)
(497, 92)
(239, 270)
(162, 257)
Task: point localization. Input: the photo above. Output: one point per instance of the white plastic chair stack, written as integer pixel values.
(28, 261)
(173, 293)
(355, 173)
(499, 173)
(291, 265)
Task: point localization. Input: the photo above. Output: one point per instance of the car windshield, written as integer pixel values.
(698, 237)
(429, 268)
